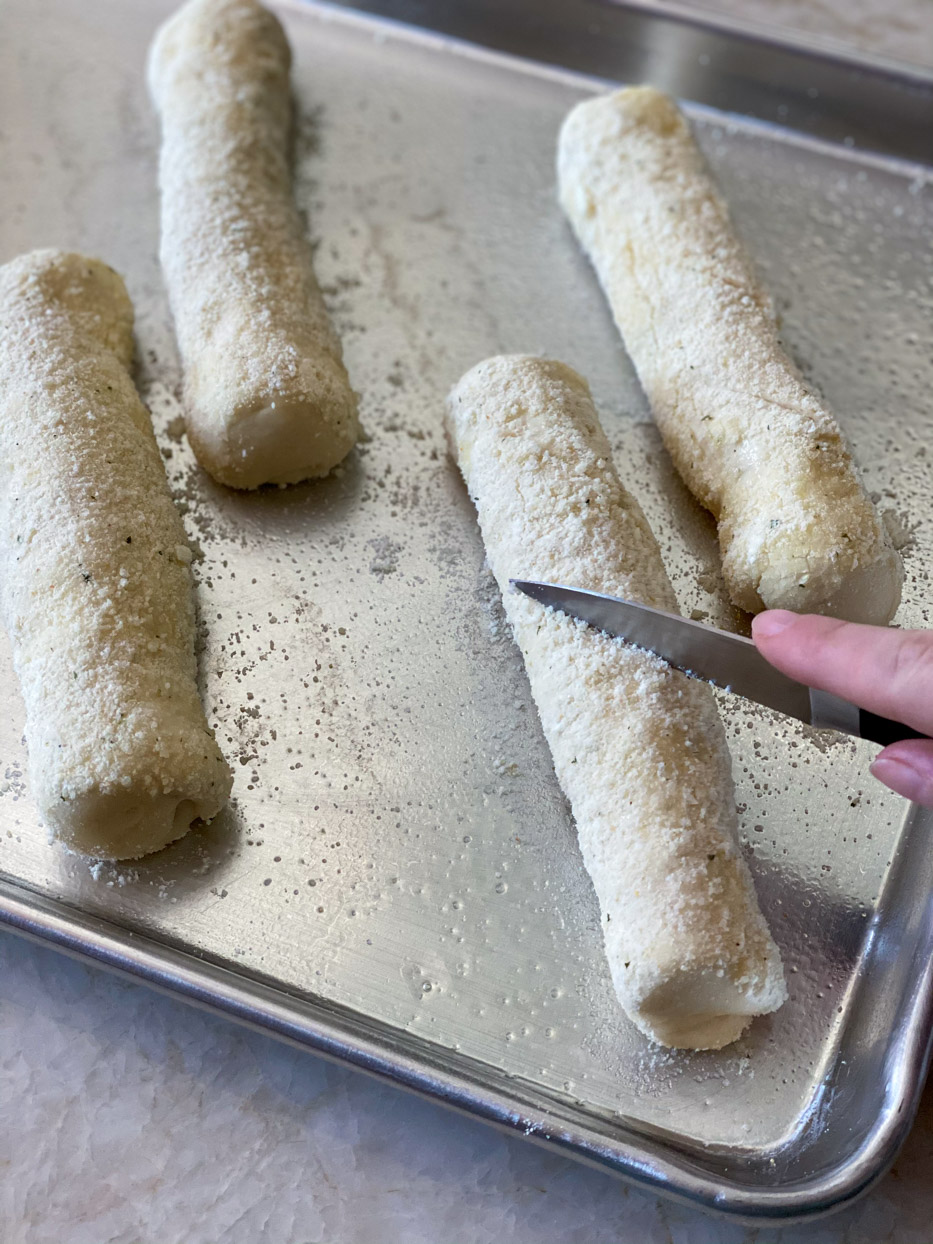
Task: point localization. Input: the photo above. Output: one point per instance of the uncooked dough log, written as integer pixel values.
(638, 748)
(95, 589)
(267, 397)
(752, 442)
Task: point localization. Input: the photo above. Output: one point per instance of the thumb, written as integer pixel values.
(907, 767)
(880, 668)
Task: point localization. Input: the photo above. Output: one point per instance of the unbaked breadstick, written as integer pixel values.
(95, 588)
(752, 442)
(267, 398)
(638, 748)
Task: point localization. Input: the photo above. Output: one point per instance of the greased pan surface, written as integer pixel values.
(396, 881)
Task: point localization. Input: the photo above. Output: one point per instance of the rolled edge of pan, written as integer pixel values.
(637, 747)
(267, 397)
(95, 584)
(752, 441)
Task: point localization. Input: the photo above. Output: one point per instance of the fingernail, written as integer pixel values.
(902, 778)
(772, 622)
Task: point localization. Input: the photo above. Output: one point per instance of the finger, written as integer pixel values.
(907, 767)
(885, 670)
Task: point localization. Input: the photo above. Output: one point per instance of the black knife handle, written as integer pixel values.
(882, 730)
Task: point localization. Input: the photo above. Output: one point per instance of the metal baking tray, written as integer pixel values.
(396, 882)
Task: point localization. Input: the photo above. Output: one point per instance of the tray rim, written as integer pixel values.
(897, 85)
(652, 1165)
(655, 1166)
(817, 46)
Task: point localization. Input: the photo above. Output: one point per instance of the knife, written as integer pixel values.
(718, 657)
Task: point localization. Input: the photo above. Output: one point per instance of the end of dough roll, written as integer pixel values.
(637, 747)
(267, 397)
(753, 443)
(95, 582)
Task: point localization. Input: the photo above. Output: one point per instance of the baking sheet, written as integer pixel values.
(397, 851)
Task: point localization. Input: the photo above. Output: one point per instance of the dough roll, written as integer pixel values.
(638, 748)
(753, 443)
(95, 586)
(266, 394)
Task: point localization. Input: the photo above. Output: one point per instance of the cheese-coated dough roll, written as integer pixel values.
(752, 442)
(267, 397)
(638, 748)
(95, 586)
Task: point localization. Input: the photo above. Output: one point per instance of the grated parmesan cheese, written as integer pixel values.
(755, 446)
(94, 588)
(266, 394)
(638, 748)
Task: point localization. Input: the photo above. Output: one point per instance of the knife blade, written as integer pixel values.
(715, 656)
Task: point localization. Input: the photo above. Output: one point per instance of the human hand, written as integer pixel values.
(887, 671)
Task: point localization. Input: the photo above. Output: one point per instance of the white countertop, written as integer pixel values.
(130, 1118)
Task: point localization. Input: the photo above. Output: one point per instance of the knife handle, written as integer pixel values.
(884, 731)
(828, 710)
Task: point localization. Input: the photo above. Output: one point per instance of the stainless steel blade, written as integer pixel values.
(701, 651)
